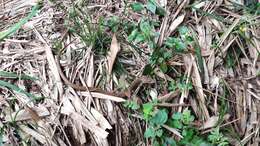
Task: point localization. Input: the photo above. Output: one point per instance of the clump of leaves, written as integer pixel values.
(150, 6)
(113, 23)
(91, 34)
(131, 105)
(171, 46)
(156, 117)
(144, 33)
(182, 121)
(181, 83)
(217, 138)
(180, 44)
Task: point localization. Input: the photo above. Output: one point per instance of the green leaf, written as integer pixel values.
(148, 70)
(156, 143)
(164, 67)
(169, 142)
(1, 136)
(6, 74)
(217, 138)
(177, 116)
(172, 86)
(167, 54)
(113, 23)
(17, 89)
(184, 31)
(147, 109)
(159, 132)
(139, 38)
(175, 43)
(180, 46)
(160, 117)
(149, 132)
(131, 104)
(137, 7)
(160, 11)
(177, 124)
(151, 6)
(145, 27)
(133, 35)
(11, 30)
(187, 118)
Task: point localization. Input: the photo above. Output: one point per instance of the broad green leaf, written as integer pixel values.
(175, 43)
(151, 7)
(149, 132)
(177, 116)
(160, 117)
(180, 46)
(145, 27)
(1, 136)
(170, 42)
(167, 54)
(133, 35)
(172, 86)
(156, 143)
(139, 38)
(137, 6)
(160, 11)
(147, 109)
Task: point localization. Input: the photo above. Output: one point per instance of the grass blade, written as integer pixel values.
(6, 74)
(11, 30)
(17, 89)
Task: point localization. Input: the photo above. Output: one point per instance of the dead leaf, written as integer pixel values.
(212, 121)
(33, 113)
(114, 49)
(27, 115)
(175, 24)
(103, 96)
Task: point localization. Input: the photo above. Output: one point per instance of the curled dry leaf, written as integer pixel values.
(212, 121)
(27, 114)
(114, 49)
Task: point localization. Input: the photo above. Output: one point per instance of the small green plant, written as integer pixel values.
(113, 23)
(181, 84)
(137, 7)
(217, 138)
(156, 117)
(144, 33)
(180, 44)
(151, 6)
(79, 23)
(171, 46)
(131, 105)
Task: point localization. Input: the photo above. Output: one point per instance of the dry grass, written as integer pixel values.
(67, 116)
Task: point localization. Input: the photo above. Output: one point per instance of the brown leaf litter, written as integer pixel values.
(68, 116)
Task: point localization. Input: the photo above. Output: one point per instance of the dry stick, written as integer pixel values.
(172, 104)
(221, 125)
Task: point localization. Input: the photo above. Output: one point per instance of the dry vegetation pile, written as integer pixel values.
(156, 72)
